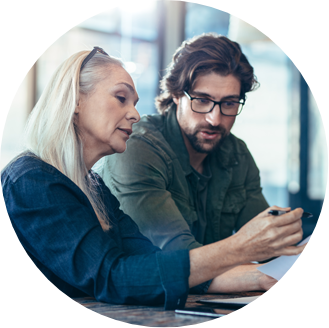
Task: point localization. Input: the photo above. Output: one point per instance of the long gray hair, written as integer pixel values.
(51, 133)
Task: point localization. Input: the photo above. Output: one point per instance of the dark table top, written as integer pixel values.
(155, 316)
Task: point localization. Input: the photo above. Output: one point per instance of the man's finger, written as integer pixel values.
(288, 218)
(274, 207)
(290, 229)
(293, 250)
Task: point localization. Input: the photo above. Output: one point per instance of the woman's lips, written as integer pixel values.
(209, 135)
(127, 132)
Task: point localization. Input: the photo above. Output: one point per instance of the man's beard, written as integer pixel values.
(199, 146)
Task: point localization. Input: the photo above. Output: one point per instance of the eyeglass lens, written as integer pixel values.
(228, 107)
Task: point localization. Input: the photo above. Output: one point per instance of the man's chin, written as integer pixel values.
(207, 147)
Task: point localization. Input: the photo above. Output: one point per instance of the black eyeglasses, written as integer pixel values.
(92, 53)
(227, 107)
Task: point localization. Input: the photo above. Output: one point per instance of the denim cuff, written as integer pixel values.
(174, 267)
(201, 289)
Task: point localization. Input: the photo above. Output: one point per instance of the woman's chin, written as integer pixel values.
(120, 149)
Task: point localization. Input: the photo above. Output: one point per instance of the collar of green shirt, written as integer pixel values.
(225, 157)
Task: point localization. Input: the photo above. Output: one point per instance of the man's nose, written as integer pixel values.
(214, 117)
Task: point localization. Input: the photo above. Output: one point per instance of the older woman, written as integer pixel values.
(71, 225)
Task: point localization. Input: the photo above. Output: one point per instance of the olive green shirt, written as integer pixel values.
(200, 225)
(152, 180)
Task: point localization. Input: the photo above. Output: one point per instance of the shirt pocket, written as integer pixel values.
(234, 200)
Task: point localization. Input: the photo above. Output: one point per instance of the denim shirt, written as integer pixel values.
(59, 230)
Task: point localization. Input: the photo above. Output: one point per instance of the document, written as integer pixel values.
(308, 271)
(302, 267)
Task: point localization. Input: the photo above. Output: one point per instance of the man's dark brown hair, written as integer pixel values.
(200, 55)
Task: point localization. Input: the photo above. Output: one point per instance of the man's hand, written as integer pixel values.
(242, 278)
(267, 236)
(264, 237)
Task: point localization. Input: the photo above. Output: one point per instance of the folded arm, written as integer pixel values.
(58, 227)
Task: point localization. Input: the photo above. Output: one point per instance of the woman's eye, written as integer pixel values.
(121, 99)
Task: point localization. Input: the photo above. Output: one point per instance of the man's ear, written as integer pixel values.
(175, 100)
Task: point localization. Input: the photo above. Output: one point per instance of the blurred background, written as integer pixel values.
(280, 122)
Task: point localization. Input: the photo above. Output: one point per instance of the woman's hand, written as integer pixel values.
(242, 278)
(267, 236)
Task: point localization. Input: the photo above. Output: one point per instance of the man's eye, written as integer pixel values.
(202, 101)
(229, 104)
(121, 99)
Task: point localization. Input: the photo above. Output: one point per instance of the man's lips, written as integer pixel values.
(128, 132)
(210, 135)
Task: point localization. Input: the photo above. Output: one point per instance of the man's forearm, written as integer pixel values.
(242, 278)
(239, 279)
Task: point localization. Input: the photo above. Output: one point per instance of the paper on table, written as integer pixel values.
(303, 267)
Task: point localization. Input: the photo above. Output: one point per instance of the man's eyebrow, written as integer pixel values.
(131, 89)
(204, 94)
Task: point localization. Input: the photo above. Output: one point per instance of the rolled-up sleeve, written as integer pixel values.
(172, 280)
(59, 229)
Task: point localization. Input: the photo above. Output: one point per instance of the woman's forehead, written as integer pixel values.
(118, 75)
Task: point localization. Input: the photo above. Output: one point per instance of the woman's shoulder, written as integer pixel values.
(26, 163)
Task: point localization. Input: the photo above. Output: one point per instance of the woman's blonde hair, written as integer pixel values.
(51, 133)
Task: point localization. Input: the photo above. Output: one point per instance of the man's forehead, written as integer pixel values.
(213, 81)
(212, 74)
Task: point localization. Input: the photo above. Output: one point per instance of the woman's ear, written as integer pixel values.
(77, 107)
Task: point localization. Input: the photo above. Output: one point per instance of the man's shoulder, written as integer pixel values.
(149, 124)
(149, 133)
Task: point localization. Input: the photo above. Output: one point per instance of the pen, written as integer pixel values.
(276, 212)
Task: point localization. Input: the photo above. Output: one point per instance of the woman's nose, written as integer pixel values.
(133, 114)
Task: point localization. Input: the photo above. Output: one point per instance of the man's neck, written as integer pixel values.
(196, 158)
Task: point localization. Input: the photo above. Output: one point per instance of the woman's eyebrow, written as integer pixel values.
(131, 89)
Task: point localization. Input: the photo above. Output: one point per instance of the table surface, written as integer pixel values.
(147, 316)
(155, 316)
